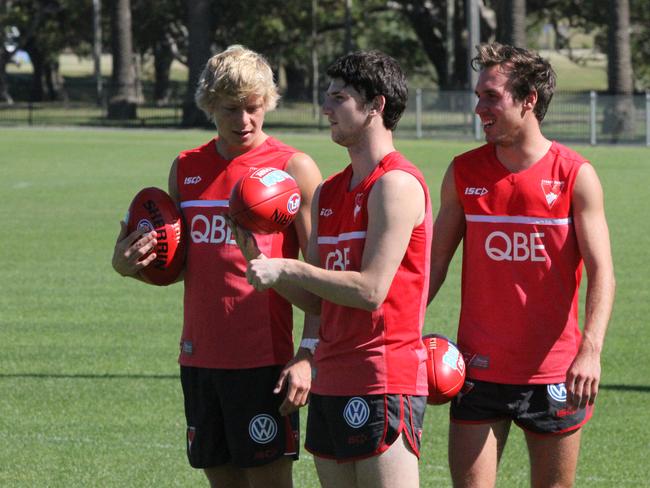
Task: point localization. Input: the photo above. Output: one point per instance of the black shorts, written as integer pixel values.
(232, 417)
(540, 409)
(352, 428)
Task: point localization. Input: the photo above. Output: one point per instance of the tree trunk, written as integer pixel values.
(122, 103)
(36, 91)
(199, 25)
(619, 114)
(511, 22)
(461, 56)
(429, 22)
(347, 41)
(5, 97)
(5, 58)
(162, 62)
(297, 79)
(54, 82)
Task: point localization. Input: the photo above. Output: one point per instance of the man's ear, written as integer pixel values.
(377, 105)
(530, 101)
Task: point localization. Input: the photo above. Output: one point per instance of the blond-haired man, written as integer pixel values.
(241, 383)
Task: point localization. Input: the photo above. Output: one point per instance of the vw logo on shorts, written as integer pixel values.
(356, 412)
(557, 392)
(262, 428)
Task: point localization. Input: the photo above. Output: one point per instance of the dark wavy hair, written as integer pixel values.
(526, 70)
(374, 73)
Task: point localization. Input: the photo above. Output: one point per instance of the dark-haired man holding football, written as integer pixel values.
(529, 212)
(241, 386)
(368, 277)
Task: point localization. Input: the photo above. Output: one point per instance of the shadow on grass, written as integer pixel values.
(91, 376)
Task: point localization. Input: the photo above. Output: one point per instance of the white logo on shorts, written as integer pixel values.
(262, 428)
(557, 392)
(356, 412)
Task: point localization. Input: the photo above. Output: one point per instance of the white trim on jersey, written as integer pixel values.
(506, 219)
(346, 236)
(204, 203)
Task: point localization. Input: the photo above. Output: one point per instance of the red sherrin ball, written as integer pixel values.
(264, 201)
(445, 369)
(153, 209)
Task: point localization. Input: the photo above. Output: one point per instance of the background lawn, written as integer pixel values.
(89, 394)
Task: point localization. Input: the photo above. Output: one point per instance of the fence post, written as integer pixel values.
(477, 127)
(418, 113)
(593, 97)
(647, 118)
(476, 122)
(30, 115)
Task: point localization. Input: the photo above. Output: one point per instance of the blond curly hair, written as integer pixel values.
(236, 73)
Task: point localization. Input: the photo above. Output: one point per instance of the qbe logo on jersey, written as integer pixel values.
(262, 428)
(517, 246)
(356, 412)
(210, 230)
(557, 392)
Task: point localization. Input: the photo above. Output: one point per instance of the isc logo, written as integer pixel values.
(214, 231)
(192, 180)
(499, 246)
(470, 190)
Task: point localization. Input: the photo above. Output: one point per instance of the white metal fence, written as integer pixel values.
(584, 117)
(576, 117)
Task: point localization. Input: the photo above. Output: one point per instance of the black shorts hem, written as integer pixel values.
(477, 422)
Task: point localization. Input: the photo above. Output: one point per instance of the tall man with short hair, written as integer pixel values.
(529, 212)
(368, 277)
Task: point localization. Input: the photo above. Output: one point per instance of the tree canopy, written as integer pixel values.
(426, 36)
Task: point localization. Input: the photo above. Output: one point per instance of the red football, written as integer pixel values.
(153, 209)
(445, 369)
(264, 201)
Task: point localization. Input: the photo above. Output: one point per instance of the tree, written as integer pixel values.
(640, 40)
(7, 51)
(428, 20)
(122, 102)
(619, 116)
(200, 25)
(511, 22)
(160, 33)
(40, 27)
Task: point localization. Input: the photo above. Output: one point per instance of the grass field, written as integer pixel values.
(89, 395)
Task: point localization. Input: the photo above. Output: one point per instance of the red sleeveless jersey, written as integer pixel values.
(521, 267)
(378, 352)
(227, 324)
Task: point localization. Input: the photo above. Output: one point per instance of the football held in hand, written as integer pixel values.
(264, 201)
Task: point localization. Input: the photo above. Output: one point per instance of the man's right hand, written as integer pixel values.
(295, 380)
(130, 249)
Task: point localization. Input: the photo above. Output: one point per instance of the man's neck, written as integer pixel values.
(368, 152)
(524, 152)
(230, 152)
